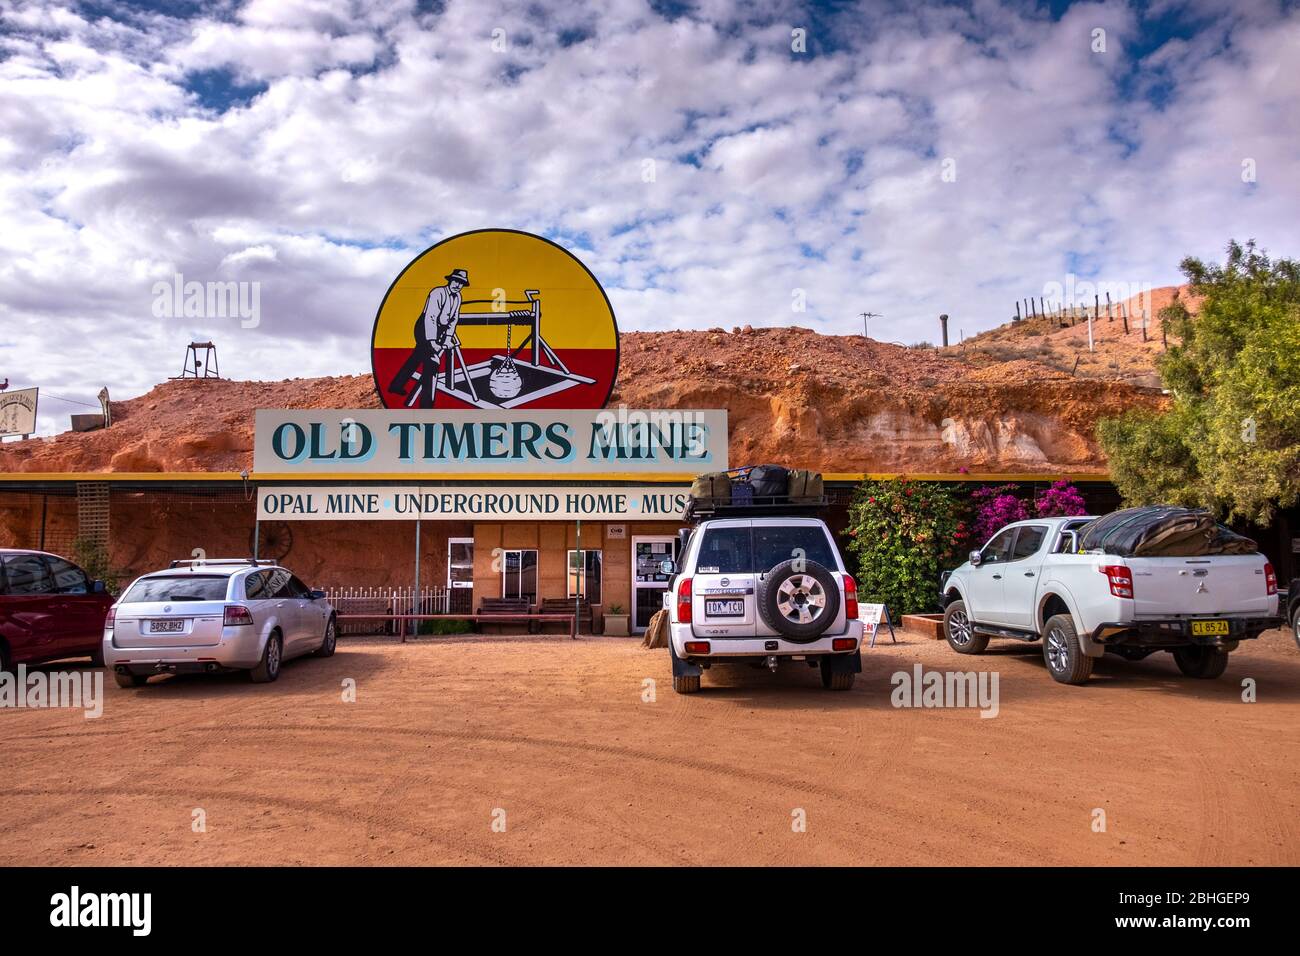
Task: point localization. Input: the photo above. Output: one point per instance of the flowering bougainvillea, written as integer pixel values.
(995, 507)
(903, 533)
(998, 506)
(1059, 501)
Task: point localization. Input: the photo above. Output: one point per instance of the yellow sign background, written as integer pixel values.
(575, 312)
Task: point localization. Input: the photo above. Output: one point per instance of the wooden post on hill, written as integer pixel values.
(1123, 314)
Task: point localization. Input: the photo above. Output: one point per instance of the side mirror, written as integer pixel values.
(318, 595)
(976, 558)
(98, 587)
(667, 567)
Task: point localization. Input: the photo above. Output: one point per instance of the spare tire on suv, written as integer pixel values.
(799, 599)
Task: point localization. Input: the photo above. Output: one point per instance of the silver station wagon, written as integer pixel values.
(216, 615)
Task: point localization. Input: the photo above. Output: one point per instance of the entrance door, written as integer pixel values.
(648, 582)
(519, 574)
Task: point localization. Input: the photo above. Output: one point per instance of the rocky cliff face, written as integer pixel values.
(835, 403)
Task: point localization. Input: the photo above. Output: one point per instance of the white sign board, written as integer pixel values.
(472, 503)
(18, 412)
(554, 442)
(869, 615)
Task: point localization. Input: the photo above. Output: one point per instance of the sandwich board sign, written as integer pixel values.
(870, 615)
(495, 319)
(18, 412)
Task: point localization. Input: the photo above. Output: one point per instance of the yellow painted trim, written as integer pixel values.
(650, 478)
(973, 476)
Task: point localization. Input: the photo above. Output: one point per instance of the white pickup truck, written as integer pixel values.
(1028, 583)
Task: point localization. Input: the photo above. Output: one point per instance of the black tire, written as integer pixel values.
(268, 668)
(687, 685)
(130, 680)
(789, 589)
(836, 680)
(1065, 659)
(329, 642)
(957, 629)
(1205, 663)
(1295, 626)
(6, 660)
(97, 656)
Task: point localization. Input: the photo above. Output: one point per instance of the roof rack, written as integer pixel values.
(201, 562)
(697, 509)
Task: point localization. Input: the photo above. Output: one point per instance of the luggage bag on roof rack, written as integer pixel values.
(754, 487)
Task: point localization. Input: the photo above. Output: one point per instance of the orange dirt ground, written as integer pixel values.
(557, 735)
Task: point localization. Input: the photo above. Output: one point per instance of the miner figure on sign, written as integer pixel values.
(435, 333)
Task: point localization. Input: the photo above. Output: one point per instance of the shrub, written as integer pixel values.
(902, 534)
(995, 507)
(445, 627)
(1061, 500)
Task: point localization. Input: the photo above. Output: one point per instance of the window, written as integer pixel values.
(177, 587)
(460, 562)
(584, 575)
(28, 574)
(725, 551)
(277, 584)
(255, 586)
(772, 545)
(761, 548)
(1028, 541)
(1000, 547)
(519, 574)
(68, 578)
(298, 589)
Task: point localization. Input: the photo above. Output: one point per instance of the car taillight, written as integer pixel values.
(850, 598)
(697, 647)
(1270, 578)
(237, 614)
(843, 644)
(111, 616)
(1120, 578)
(684, 601)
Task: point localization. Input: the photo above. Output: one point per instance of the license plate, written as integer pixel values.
(1209, 628)
(165, 627)
(716, 608)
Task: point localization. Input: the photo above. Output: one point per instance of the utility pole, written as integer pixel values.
(865, 316)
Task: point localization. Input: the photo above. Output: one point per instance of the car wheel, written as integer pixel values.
(687, 685)
(1205, 663)
(268, 668)
(1295, 627)
(836, 680)
(97, 656)
(129, 680)
(326, 648)
(1066, 661)
(960, 632)
(799, 599)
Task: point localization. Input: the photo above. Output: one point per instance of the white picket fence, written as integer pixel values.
(382, 601)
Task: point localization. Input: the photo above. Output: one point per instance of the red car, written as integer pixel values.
(49, 609)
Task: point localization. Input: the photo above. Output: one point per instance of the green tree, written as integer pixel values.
(903, 533)
(1230, 441)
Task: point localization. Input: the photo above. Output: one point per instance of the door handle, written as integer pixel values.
(997, 577)
(1029, 574)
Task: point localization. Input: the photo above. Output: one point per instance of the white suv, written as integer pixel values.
(215, 615)
(761, 591)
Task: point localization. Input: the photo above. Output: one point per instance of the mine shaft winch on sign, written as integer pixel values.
(520, 374)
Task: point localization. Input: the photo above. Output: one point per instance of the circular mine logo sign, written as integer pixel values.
(495, 319)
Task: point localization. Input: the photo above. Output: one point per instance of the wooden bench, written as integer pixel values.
(565, 606)
(497, 612)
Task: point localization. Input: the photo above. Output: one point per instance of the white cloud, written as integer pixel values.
(363, 132)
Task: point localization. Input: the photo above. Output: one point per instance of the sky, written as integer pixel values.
(715, 164)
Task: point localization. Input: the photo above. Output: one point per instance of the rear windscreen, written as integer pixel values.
(177, 588)
(751, 550)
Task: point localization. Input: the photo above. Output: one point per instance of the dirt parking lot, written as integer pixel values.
(446, 733)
